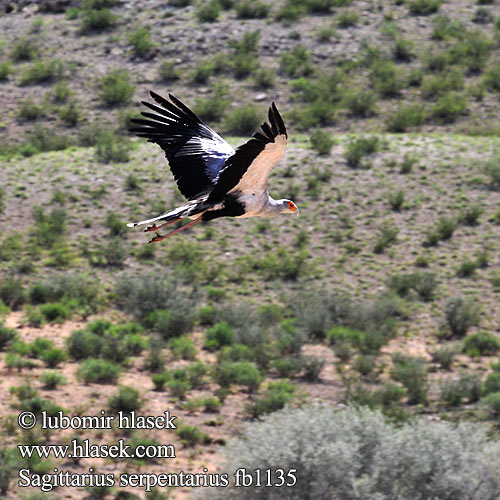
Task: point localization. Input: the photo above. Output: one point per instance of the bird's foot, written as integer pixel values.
(153, 227)
(157, 237)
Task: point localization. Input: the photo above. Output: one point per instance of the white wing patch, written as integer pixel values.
(257, 174)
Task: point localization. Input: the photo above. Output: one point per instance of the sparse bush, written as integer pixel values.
(481, 344)
(111, 148)
(218, 336)
(321, 141)
(288, 366)
(274, 398)
(115, 88)
(412, 373)
(243, 120)
(170, 322)
(25, 49)
(208, 11)
(52, 379)
(482, 16)
(492, 77)
(167, 72)
(385, 78)
(239, 373)
(99, 371)
(471, 214)
(449, 108)
(445, 28)
(473, 50)
(53, 357)
(491, 168)
(396, 199)
(5, 71)
(492, 402)
(388, 235)
(12, 292)
(70, 114)
(126, 400)
(96, 18)
(43, 71)
(30, 110)
(347, 19)
(141, 42)
(7, 335)
(183, 348)
(424, 7)
(492, 384)
(360, 102)
(297, 62)
(191, 436)
(444, 357)
(405, 117)
(248, 9)
(461, 315)
(422, 284)
(356, 149)
(55, 312)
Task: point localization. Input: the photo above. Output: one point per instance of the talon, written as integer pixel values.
(157, 237)
(150, 228)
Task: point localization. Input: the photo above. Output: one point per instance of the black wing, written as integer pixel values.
(195, 153)
(249, 168)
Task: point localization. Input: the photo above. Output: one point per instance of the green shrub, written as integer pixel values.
(424, 7)
(191, 435)
(288, 366)
(439, 85)
(412, 373)
(491, 168)
(357, 149)
(30, 110)
(99, 371)
(491, 384)
(347, 19)
(42, 138)
(385, 78)
(140, 39)
(388, 235)
(239, 373)
(70, 114)
(52, 379)
(492, 402)
(444, 356)
(126, 400)
(274, 398)
(449, 108)
(445, 28)
(167, 72)
(297, 62)
(360, 102)
(243, 120)
(170, 322)
(421, 284)
(53, 357)
(208, 11)
(55, 312)
(182, 348)
(43, 71)
(25, 49)
(473, 50)
(111, 148)
(481, 344)
(248, 9)
(396, 199)
(471, 214)
(115, 88)
(95, 18)
(467, 268)
(461, 315)
(12, 292)
(321, 141)
(7, 335)
(492, 77)
(210, 108)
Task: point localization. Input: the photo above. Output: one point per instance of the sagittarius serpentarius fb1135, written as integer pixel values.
(217, 180)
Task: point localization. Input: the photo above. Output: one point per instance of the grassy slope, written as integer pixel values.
(342, 209)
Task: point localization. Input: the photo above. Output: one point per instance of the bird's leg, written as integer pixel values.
(160, 237)
(154, 227)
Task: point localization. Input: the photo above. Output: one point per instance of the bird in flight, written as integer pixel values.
(216, 180)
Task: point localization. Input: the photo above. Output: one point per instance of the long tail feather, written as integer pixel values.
(178, 213)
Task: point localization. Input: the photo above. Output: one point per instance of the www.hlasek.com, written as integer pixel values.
(78, 449)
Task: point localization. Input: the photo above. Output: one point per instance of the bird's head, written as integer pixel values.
(288, 207)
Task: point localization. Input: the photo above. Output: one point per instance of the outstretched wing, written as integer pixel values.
(249, 168)
(195, 153)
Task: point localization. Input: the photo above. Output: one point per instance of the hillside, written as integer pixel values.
(383, 292)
